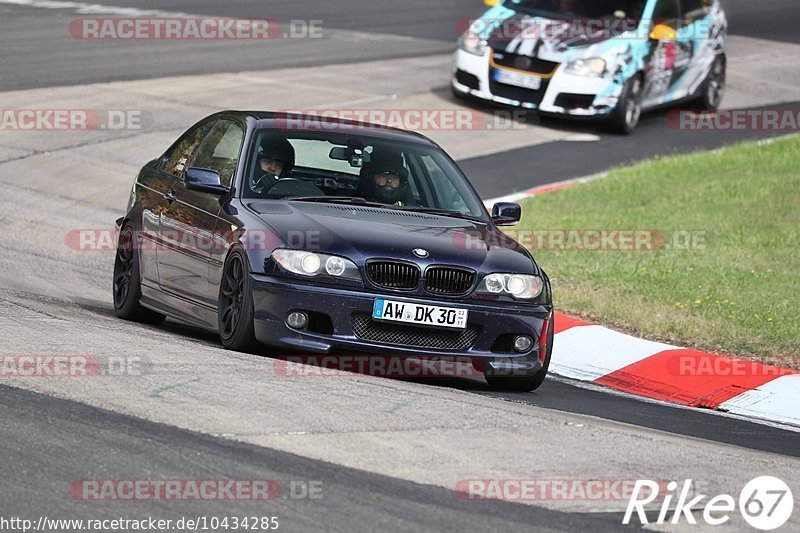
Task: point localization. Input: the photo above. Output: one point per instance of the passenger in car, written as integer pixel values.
(275, 161)
(385, 179)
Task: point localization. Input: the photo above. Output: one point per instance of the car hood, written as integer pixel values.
(555, 40)
(362, 233)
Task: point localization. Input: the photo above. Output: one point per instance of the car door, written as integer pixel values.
(665, 55)
(154, 186)
(151, 187)
(693, 38)
(189, 223)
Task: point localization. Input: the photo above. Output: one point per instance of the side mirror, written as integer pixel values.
(506, 214)
(204, 180)
(662, 32)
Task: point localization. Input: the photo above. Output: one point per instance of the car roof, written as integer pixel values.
(312, 122)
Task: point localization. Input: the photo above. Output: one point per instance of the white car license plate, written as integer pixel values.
(518, 79)
(427, 315)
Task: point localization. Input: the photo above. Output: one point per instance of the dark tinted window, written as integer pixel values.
(667, 12)
(694, 9)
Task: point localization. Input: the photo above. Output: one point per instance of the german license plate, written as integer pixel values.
(426, 315)
(518, 79)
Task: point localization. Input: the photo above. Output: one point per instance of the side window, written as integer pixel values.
(667, 12)
(694, 9)
(183, 152)
(220, 150)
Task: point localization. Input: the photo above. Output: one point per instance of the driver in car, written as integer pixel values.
(384, 179)
(275, 162)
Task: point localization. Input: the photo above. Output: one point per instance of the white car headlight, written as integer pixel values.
(593, 66)
(473, 44)
(314, 264)
(522, 286)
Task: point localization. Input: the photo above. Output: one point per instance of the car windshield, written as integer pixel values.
(580, 9)
(336, 166)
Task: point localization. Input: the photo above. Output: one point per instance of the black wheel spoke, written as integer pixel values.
(226, 320)
(227, 290)
(231, 282)
(231, 296)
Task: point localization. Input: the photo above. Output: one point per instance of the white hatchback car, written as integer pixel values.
(603, 59)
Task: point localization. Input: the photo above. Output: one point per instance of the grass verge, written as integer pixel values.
(727, 278)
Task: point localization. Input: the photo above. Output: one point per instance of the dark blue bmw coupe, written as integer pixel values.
(296, 233)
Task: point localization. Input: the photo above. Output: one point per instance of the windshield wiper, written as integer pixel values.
(445, 213)
(357, 200)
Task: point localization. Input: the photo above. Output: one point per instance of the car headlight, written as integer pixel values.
(473, 44)
(522, 286)
(312, 264)
(593, 66)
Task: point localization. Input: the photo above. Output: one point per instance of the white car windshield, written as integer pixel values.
(579, 9)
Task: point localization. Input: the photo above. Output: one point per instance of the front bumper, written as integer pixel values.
(562, 94)
(275, 297)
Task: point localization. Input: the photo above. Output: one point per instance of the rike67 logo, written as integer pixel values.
(765, 503)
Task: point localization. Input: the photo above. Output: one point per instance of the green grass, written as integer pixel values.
(740, 294)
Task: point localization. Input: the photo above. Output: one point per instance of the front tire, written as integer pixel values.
(127, 287)
(528, 383)
(235, 311)
(628, 112)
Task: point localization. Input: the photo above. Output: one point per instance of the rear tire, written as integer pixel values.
(127, 288)
(628, 112)
(235, 311)
(713, 88)
(529, 383)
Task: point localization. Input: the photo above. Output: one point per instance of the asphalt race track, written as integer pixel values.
(40, 53)
(387, 453)
(119, 443)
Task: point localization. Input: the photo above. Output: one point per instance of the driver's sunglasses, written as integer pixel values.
(382, 179)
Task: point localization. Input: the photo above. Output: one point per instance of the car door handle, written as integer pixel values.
(170, 196)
